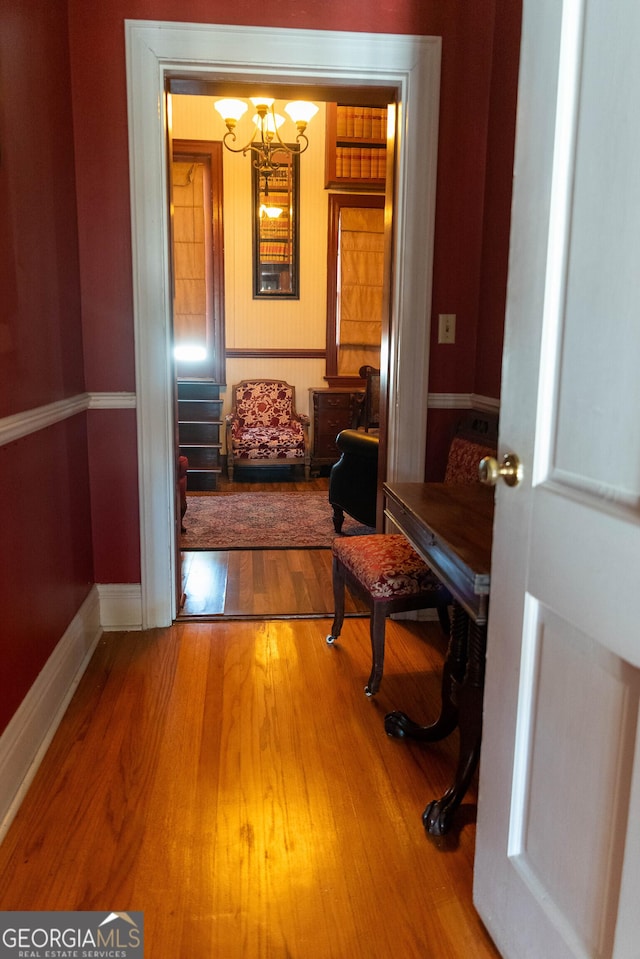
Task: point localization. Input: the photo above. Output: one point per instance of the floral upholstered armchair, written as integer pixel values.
(264, 428)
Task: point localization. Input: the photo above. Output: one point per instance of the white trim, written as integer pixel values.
(409, 64)
(31, 421)
(22, 424)
(120, 605)
(463, 401)
(486, 403)
(112, 401)
(450, 401)
(26, 739)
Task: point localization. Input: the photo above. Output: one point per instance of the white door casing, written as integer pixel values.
(154, 50)
(557, 868)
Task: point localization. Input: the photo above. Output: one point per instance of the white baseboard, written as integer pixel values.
(120, 605)
(31, 729)
(26, 739)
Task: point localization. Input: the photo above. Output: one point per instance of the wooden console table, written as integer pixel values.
(451, 527)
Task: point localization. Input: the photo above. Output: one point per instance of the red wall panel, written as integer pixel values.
(47, 565)
(47, 568)
(497, 197)
(115, 515)
(40, 332)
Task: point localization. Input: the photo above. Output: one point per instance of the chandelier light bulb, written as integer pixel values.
(266, 142)
(262, 102)
(301, 112)
(269, 123)
(231, 111)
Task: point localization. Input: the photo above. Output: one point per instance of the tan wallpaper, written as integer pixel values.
(285, 324)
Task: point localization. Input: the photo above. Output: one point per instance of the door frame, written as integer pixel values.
(156, 51)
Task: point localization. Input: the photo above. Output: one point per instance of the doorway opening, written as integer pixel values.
(157, 51)
(341, 298)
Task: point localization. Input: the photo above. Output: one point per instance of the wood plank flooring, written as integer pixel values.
(260, 583)
(232, 781)
(255, 583)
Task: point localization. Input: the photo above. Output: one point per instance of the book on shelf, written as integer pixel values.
(367, 123)
(360, 163)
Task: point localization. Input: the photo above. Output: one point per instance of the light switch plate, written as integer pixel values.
(446, 328)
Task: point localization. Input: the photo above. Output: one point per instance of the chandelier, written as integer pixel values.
(266, 143)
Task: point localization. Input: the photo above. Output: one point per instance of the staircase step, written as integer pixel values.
(198, 389)
(199, 424)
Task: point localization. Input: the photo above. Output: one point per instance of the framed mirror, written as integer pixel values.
(276, 205)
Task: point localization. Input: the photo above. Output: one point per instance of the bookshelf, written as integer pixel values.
(356, 147)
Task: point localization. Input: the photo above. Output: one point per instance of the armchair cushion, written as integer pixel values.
(267, 442)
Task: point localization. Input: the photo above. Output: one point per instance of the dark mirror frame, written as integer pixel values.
(279, 277)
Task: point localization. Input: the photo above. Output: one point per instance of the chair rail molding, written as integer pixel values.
(463, 401)
(155, 50)
(22, 424)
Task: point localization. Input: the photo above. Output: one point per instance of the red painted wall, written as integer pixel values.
(497, 197)
(40, 331)
(473, 363)
(47, 567)
(47, 559)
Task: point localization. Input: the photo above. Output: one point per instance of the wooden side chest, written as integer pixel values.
(331, 411)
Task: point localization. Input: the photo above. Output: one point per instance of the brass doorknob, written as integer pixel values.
(510, 470)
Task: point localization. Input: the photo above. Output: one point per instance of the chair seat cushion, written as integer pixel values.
(266, 442)
(386, 565)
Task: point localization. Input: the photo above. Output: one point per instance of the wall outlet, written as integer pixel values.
(446, 328)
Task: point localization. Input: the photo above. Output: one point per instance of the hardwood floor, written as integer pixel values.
(271, 481)
(261, 583)
(232, 781)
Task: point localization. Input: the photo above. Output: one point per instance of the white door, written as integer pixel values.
(557, 870)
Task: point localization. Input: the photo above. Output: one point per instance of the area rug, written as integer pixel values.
(262, 521)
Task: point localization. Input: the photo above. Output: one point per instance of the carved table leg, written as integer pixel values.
(462, 693)
(399, 725)
(438, 814)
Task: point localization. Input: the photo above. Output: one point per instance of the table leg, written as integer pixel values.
(438, 813)
(399, 725)
(462, 694)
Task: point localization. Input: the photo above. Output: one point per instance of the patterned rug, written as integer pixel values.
(262, 521)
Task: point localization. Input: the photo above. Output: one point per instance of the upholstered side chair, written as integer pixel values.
(264, 429)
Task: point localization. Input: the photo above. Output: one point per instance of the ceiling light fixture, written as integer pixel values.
(266, 142)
